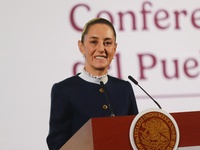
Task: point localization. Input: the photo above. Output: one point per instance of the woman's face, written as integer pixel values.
(99, 48)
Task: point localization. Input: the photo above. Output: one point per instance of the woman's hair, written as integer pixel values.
(96, 21)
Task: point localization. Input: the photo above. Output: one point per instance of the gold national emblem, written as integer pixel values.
(154, 131)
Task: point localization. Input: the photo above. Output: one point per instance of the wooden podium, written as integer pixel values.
(112, 133)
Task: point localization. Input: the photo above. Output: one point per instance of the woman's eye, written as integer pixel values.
(107, 43)
(93, 42)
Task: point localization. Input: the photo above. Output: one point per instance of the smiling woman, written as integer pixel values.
(98, 47)
(92, 93)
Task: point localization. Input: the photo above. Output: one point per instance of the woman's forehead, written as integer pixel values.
(100, 30)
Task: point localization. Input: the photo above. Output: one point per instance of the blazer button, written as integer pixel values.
(101, 90)
(105, 107)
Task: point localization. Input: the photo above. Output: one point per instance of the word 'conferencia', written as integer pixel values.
(163, 19)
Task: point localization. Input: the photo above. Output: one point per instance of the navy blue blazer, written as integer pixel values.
(74, 101)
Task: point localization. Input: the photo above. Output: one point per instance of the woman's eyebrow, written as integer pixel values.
(94, 37)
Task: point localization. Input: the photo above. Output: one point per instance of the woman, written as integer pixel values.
(92, 93)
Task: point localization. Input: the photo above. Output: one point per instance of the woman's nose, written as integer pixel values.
(101, 47)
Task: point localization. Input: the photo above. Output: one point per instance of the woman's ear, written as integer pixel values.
(81, 49)
(115, 47)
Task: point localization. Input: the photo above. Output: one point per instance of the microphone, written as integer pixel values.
(110, 107)
(136, 83)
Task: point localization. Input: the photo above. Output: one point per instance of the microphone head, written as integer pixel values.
(132, 79)
(101, 83)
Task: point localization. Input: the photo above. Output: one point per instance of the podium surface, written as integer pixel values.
(113, 132)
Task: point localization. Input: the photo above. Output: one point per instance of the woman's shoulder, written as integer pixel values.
(116, 81)
(68, 81)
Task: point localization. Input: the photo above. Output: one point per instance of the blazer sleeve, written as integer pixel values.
(60, 118)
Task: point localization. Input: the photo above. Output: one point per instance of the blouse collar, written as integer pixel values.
(93, 79)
